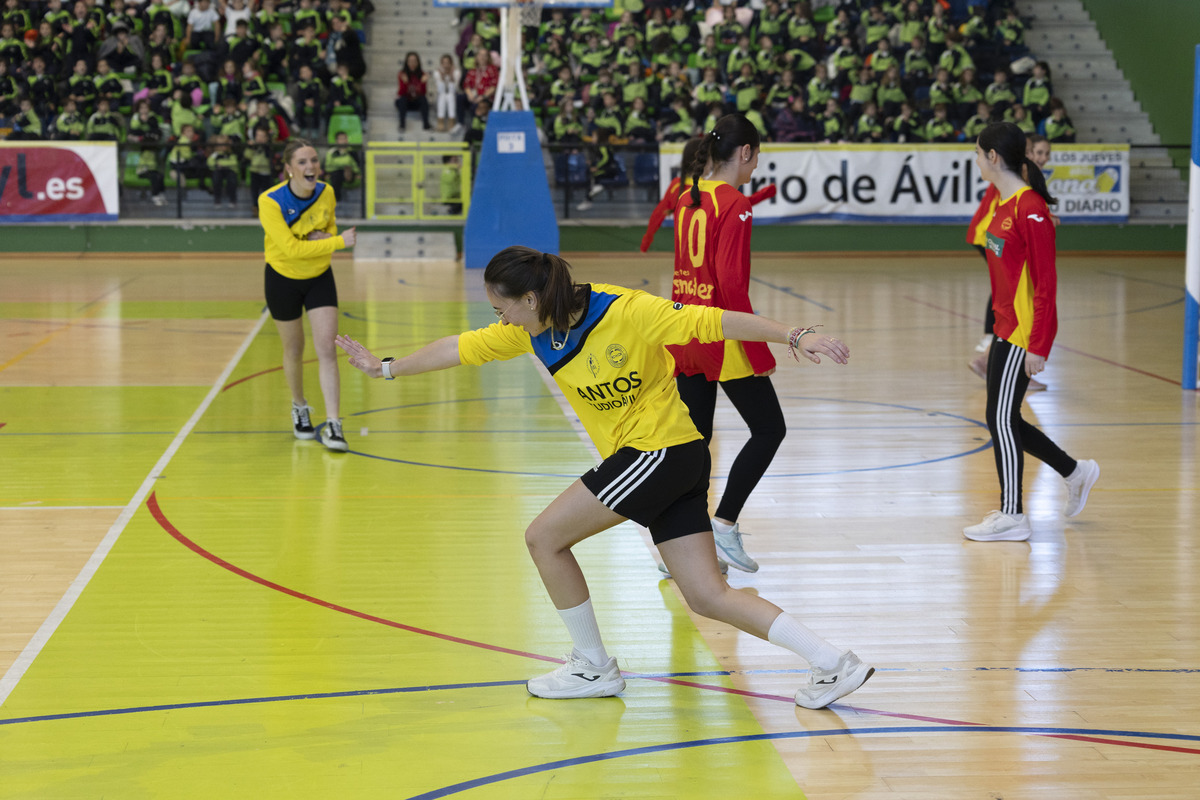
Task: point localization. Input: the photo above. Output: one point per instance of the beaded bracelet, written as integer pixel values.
(794, 337)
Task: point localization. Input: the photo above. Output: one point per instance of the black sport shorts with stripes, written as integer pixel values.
(664, 490)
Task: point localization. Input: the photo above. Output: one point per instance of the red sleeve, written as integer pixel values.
(765, 193)
(401, 88)
(1037, 229)
(664, 207)
(989, 198)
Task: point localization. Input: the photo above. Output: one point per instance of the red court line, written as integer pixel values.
(1059, 346)
(160, 517)
(152, 504)
(232, 384)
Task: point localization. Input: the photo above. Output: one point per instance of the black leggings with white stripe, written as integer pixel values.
(1012, 436)
(756, 401)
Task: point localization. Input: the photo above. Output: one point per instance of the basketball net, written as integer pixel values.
(513, 18)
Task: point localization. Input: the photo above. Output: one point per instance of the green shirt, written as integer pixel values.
(70, 126)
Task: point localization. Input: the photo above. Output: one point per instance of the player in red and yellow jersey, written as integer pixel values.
(677, 187)
(604, 346)
(713, 222)
(1021, 255)
(1037, 151)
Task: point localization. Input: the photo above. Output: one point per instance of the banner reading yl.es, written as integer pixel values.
(58, 182)
(923, 183)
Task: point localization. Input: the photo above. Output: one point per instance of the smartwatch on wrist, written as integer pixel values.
(387, 368)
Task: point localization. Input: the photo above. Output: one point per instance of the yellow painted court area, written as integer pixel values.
(248, 615)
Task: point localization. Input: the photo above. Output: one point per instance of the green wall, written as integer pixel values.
(574, 239)
(1154, 42)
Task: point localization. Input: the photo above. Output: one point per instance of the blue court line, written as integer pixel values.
(448, 687)
(765, 737)
(791, 293)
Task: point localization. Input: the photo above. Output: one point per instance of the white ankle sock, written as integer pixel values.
(721, 527)
(585, 632)
(789, 633)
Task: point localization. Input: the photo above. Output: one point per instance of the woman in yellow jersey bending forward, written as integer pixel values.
(301, 235)
(604, 345)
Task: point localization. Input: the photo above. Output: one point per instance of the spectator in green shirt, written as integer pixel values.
(105, 125)
(907, 127)
(341, 165)
(69, 125)
(869, 128)
(1059, 129)
(939, 128)
(999, 94)
(980, 120)
(1018, 116)
(1037, 93)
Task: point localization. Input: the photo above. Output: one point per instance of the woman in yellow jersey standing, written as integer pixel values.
(300, 236)
(604, 346)
(713, 222)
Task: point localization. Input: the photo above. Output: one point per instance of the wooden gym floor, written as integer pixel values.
(194, 604)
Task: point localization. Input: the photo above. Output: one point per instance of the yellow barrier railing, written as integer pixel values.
(418, 180)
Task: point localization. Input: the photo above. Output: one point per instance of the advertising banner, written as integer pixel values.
(58, 182)
(918, 184)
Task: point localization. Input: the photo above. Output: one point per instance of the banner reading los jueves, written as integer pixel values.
(923, 183)
(58, 182)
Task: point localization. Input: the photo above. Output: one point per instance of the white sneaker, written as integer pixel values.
(825, 686)
(730, 551)
(1000, 527)
(578, 677)
(584, 206)
(331, 436)
(302, 422)
(984, 344)
(1079, 484)
(595, 190)
(724, 568)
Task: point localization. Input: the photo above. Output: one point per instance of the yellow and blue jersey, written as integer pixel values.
(287, 221)
(614, 369)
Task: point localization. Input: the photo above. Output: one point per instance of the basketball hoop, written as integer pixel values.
(530, 12)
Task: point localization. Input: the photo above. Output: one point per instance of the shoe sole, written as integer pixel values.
(1010, 535)
(337, 447)
(607, 689)
(305, 436)
(840, 691)
(1087, 488)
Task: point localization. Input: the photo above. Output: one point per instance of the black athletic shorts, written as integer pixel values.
(286, 297)
(664, 490)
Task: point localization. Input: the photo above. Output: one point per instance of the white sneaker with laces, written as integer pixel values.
(730, 550)
(595, 190)
(1079, 484)
(584, 206)
(1000, 527)
(825, 686)
(302, 425)
(578, 677)
(331, 436)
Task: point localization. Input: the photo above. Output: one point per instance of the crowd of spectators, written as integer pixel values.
(850, 71)
(206, 90)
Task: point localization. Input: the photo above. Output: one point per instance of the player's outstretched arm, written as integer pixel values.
(754, 328)
(440, 354)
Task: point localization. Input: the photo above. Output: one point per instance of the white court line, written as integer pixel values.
(39, 640)
(54, 508)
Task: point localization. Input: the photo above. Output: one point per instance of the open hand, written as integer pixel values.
(359, 356)
(811, 346)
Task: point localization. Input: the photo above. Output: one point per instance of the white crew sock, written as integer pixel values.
(790, 634)
(721, 527)
(585, 633)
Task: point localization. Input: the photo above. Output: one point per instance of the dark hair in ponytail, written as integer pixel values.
(731, 133)
(687, 159)
(516, 270)
(1009, 143)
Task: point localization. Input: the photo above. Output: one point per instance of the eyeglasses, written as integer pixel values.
(500, 314)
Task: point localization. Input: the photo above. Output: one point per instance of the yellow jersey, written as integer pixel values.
(287, 220)
(614, 369)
